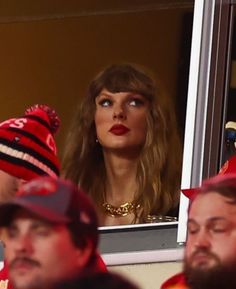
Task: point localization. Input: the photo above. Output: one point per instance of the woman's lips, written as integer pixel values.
(119, 129)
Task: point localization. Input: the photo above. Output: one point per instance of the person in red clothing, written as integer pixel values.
(27, 150)
(210, 253)
(51, 234)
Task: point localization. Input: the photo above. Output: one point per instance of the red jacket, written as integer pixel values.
(4, 282)
(175, 282)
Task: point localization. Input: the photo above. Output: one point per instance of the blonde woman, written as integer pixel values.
(123, 148)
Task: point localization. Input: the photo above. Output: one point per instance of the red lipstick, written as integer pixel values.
(119, 129)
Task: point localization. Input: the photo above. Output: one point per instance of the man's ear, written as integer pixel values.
(84, 254)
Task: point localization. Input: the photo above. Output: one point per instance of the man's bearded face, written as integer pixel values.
(217, 276)
(210, 254)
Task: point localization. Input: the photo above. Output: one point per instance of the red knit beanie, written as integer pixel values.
(27, 145)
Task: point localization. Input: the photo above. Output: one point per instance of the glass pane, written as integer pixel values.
(163, 47)
(230, 123)
(51, 54)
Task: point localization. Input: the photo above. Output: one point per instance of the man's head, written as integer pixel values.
(210, 254)
(51, 233)
(27, 148)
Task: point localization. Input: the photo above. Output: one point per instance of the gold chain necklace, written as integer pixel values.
(121, 211)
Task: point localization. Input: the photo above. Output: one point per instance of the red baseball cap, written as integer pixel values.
(57, 201)
(229, 167)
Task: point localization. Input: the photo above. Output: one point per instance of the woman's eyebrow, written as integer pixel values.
(103, 94)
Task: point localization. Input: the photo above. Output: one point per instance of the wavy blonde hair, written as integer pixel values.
(159, 166)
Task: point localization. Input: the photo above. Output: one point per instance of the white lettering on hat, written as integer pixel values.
(7, 121)
(19, 123)
(24, 156)
(15, 122)
(37, 187)
(51, 143)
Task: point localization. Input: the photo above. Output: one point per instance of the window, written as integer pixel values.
(51, 54)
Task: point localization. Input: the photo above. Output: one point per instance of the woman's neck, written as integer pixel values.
(121, 179)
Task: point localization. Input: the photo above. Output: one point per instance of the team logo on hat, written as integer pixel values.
(38, 187)
(15, 122)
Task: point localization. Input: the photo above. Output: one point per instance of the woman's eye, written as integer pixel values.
(136, 102)
(105, 102)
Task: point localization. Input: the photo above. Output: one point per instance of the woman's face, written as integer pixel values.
(120, 120)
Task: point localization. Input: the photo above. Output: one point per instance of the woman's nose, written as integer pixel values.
(119, 113)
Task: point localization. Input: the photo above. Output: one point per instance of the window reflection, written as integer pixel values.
(230, 124)
(52, 55)
(167, 55)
